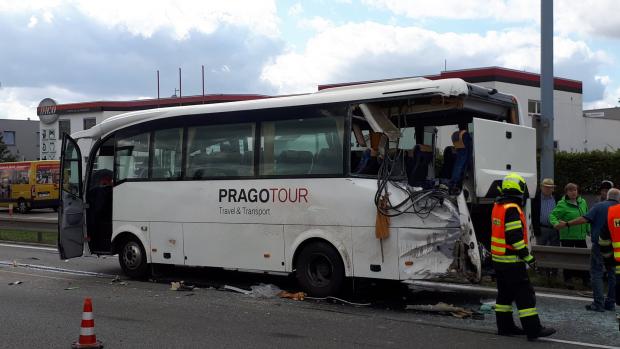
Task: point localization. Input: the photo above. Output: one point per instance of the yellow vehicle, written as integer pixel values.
(29, 184)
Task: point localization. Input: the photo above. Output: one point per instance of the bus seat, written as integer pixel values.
(448, 162)
(417, 166)
(294, 162)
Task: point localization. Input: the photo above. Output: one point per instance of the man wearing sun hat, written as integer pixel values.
(543, 204)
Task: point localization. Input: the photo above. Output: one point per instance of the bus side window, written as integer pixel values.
(302, 146)
(132, 157)
(220, 151)
(167, 148)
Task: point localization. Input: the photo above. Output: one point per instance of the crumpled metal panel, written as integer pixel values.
(439, 245)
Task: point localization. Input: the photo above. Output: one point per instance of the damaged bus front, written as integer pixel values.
(424, 189)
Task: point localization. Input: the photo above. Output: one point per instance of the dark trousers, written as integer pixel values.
(568, 274)
(513, 285)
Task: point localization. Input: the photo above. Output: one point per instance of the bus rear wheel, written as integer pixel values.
(319, 269)
(132, 258)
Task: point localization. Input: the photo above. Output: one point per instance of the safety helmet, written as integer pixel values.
(513, 184)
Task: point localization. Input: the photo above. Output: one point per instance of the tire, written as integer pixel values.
(22, 206)
(319, 270)
(132, 258)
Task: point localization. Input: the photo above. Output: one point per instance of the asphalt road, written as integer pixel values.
(46, 308)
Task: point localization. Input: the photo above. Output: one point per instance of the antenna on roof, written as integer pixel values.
(180, 89)
(203, 84)
(445, 65)
(157, 88)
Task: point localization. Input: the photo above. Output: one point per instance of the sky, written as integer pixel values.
(90, 50)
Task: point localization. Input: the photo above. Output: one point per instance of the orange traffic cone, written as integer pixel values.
(87, 329)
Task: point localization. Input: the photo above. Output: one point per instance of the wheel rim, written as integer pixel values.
(320, 270)
(132, 255)
(22, 206)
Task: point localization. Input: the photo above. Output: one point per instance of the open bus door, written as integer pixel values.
(71, 208)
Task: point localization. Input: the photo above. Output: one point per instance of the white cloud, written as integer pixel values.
(317, 24)
(145, 17)
(296, 9)
(611, 96)
(340, 54)
(595, 17)
(22, 102)
(505, 10)
(33, 22)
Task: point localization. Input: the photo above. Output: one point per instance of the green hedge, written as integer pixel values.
(586, 169)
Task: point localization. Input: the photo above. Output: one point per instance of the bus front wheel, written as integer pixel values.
(132, 258)
(22, 206)
(319, 269)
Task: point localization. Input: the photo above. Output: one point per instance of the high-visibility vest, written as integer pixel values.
(457, 139)
(498, 233)
(613, 223)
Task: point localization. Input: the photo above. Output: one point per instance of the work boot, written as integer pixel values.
(506, 325)
(514, 331)
(543, 332)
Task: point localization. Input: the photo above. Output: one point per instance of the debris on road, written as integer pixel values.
(237, 289)
(296, 296)
(117, 280)
(443, 308)
(181, 286)
(14, 283)
(71, 288)
(487, 306)
(265, 291)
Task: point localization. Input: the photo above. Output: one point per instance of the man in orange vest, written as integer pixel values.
(509, 253)
(609, 240)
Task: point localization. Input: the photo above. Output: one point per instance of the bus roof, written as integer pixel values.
(383, 89)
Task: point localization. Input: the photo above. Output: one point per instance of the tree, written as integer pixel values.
(5, 154)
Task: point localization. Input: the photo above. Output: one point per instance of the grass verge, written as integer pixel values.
(47, 238)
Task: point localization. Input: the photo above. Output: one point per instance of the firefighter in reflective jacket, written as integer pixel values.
(509, 253)
(609, 240)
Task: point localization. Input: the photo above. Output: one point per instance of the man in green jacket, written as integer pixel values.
(571, 206)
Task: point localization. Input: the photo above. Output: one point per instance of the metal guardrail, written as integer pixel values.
(29, 224)
(562, 257)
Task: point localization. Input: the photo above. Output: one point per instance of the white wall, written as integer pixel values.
(601, 134)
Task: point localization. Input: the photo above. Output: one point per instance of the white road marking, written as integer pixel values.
(590, 345)
(57, 270)
(31, 247)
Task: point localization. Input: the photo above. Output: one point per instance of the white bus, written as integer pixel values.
(293, 184)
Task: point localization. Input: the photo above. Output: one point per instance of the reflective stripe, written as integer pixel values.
(616, 255)
(606, 254)
(519, 245)
(87, 331)
(617, 269)
(498, 249)
(603, 242)
(505, 259)
(514, 225)
(503, 308)
(527, 312)
(528, 258)
(498, 240)
(616, 244)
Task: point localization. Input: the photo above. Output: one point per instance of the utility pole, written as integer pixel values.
(546, 88)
